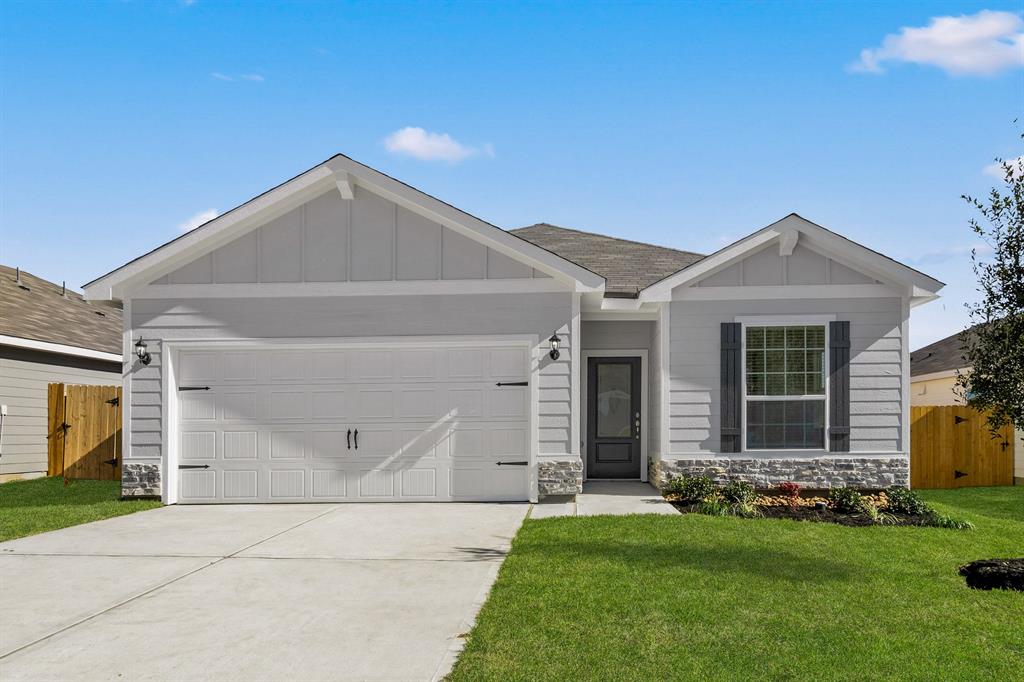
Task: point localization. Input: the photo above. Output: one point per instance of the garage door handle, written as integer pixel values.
(513, 464)
(348, 439)
(356, 434)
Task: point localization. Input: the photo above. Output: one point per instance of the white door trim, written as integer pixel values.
(170, 349)
(584, 373)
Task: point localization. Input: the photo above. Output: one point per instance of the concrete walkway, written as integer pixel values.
(606, 497)
(252, 592)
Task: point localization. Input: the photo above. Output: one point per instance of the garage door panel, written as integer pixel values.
(328, 444)
(330, 483)
(288, 444)
(242, 486)
(376, 483)
(431, 424)
(240, 445)
(198, 445)
(287, 484)
(419, 483)
(237, 406)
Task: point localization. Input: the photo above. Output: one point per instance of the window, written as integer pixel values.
(785, 387)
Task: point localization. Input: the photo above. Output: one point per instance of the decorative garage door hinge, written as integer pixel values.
(513, 464)
(193, 466)
(512, 383)
(193, 388)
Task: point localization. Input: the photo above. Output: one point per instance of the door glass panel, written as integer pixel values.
(614, 400)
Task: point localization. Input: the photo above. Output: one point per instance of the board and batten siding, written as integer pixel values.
(875, 368)
(538, 314)
(366, 239)
(24, 377)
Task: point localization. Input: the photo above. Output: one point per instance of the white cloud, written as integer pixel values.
(978, 44)
(996, 169)
(949, 253)
(427, 146)
(198, 219)
(252, 77)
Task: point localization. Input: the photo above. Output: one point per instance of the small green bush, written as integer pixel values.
(713, 507)
(719, 507)
(945, 521)
(845, 500)
(739, 493)
(692, 488)
(905, 501)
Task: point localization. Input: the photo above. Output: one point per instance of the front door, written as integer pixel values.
(613, 417)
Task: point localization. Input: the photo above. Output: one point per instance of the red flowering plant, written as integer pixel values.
(791, 490)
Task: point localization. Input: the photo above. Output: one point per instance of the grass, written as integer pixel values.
(42, 504)
(710, 598)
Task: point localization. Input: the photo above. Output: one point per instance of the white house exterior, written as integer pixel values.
(345, 337)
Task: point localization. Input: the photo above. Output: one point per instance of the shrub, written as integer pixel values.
(713, 507)
(846, 500)
(791, 490)
(692, 488)
(739, 492)
(905, 501)
(944, 521)
(720, 507)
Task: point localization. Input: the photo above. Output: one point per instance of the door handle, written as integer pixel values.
(637, 424)
(348, 439)
(356, 434)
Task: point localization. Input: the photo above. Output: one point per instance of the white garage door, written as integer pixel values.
(403, 422)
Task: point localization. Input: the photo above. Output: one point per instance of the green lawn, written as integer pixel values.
(42, 504)
(706, 598)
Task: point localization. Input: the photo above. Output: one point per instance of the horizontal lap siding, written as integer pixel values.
(875, 372)
(23, 387)
(351, 317)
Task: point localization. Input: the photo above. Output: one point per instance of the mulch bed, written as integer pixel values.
(803, 513)
(994, 574)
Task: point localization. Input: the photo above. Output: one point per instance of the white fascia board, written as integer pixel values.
(209, 236)
(341, 173)
(824, 241)
(60, 348)
(469, 225)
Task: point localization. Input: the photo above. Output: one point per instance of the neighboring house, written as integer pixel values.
(345, 336)
(933, 371)
(47, 335)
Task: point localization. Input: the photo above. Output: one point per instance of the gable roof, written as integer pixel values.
(944, 355)
(343, 173)
(36, 311)
(789, 230)
(627, 266)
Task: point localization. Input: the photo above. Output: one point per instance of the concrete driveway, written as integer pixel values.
(253, 592)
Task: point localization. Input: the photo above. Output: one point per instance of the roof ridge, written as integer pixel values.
(606, 236)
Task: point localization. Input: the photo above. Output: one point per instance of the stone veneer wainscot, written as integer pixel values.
(825, 472)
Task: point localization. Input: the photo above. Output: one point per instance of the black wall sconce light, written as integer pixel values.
(554, 341)
(141, 352)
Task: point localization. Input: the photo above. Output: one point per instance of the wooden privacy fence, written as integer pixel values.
(951, 447)
(84, 431)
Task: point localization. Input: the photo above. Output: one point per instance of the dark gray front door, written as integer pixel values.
(613, 417)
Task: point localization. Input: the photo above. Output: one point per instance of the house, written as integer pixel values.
(47, 334)
(344, 336)
(933, 371)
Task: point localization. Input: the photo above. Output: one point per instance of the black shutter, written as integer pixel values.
(732, 390)
(839, 386)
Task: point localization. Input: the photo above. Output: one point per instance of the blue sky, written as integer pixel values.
(687, 125)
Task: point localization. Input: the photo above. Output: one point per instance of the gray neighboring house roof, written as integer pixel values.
(627, 266)
(37, 311)
(941, 356)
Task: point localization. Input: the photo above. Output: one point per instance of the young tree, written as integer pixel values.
(994, 345)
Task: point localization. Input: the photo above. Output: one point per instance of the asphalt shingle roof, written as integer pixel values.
(627, 266)
(940, 356)
(37, 310)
